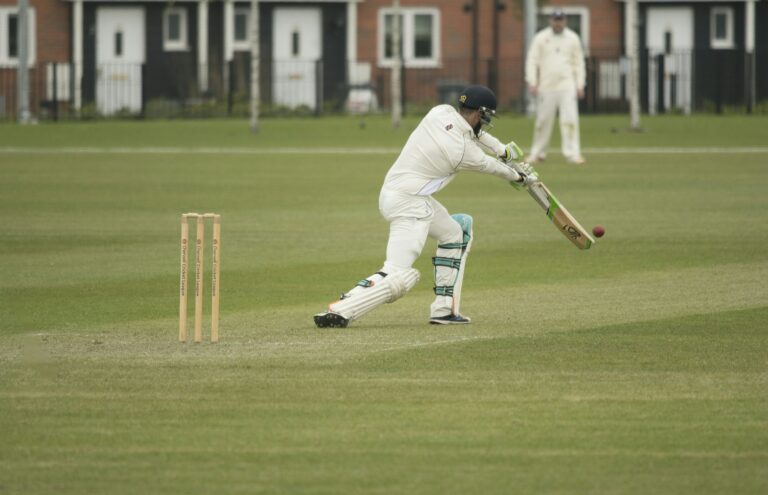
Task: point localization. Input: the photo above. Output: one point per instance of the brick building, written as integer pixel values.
(48, 43)
(119, 56)
(475, 41)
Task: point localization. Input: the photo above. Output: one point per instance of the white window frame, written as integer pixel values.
(241, 45)
(726, 42)
(407, 32)
(5, 59)
(181, 44)
(568, 10)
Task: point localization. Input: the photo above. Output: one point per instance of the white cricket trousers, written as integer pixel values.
(411, 220)
(548, 104)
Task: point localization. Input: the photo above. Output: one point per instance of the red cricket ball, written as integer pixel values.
(598, 230)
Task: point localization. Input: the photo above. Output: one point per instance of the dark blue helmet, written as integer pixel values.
(480, 98)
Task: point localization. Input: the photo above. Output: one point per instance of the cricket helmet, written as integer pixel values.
(480, 98)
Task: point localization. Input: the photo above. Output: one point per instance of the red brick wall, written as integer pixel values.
(605, 28)
(52, 28)
(456, 44)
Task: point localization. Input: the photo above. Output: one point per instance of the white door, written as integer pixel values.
(297, 46)
(669, 32)
(119, 56)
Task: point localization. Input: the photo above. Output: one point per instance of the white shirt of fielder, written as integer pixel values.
(556, 76)
(556, 61)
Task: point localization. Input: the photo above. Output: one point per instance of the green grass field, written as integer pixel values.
(637, 367)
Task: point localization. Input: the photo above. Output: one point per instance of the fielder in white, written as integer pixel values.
(554, 71)
(446, 141)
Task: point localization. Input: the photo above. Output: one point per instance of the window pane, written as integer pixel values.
(174, 27)
(118, 44)
(573, 22)
(721, 27)
(295, 44)
(667, 42)
(388, 28)
(13, 36)
(422, 25)
(542, 21)
(241, 26)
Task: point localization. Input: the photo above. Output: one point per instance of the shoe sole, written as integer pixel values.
(447, 322)
(331, 320)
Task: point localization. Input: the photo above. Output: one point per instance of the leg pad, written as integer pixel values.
(365, 299)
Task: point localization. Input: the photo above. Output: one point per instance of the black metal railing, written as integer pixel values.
(677, 82)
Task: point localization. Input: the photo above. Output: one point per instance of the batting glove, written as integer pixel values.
(512, 152)
(527, 175)
(527, 169)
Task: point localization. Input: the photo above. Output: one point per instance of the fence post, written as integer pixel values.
(749, 87)
(143, 68)
(719, 84)
(660, 106)
(318, 87)
(644, 76)
(55, 92)
(591, 90)
(403, 87)
(230, 85)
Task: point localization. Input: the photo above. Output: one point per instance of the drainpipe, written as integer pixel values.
(530, 11)
(202, 45)
(749, 48)
(77, 52)
(22, 73)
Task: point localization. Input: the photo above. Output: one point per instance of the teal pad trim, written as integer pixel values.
(454, 263)
(444, 290)
(453, 245)
(365, 283)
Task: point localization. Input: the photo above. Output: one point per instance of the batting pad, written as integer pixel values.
(449, 264)
(389, 289)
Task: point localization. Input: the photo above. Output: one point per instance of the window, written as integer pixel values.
(175, 29)
(295, 44)
(422, 36)
(419, 37)
(9, 36)
(241, 28)
(118, 44)
(13, 36)
(576, 19)
(667, 42)
(721, 27)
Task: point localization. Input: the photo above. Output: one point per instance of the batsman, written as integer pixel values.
(447, 140)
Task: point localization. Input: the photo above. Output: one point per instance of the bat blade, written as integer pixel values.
(560, 216)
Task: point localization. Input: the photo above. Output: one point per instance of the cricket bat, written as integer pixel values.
(561, 217)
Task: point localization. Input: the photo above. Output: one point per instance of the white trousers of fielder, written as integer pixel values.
(548, 105)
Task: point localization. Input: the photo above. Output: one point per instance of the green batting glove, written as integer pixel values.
(512, 152)
(527, 175)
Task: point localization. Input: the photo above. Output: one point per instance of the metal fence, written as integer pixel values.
(680, 82)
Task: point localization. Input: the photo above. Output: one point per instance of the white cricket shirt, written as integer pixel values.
(555, 61)
(441, 145)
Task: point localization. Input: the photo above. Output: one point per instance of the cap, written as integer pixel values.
(557, 13)
(477, 96)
